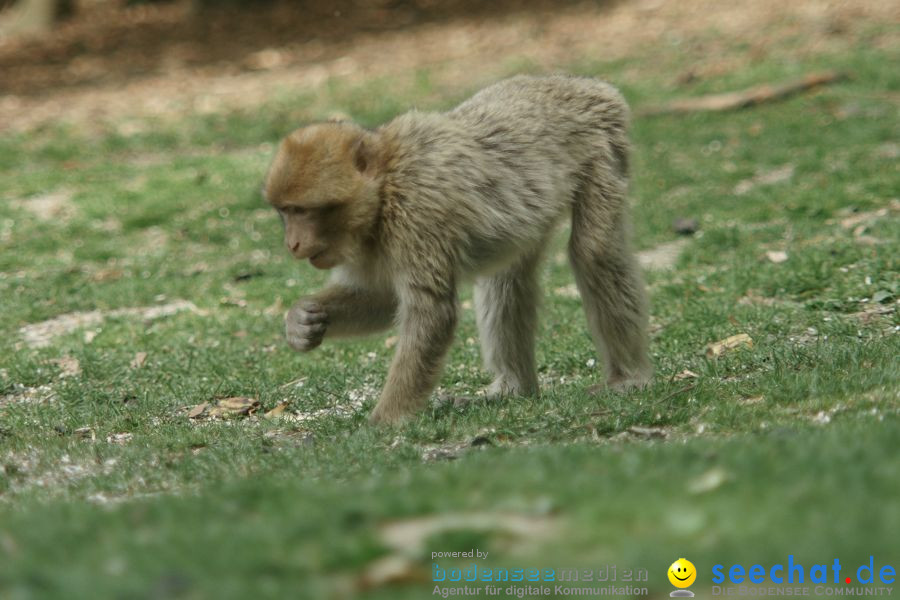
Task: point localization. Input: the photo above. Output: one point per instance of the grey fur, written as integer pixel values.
(475, 193)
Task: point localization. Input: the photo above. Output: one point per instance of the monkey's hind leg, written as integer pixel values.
(506, 311)
(609, 281)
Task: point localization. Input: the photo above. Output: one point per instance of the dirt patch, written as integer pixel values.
(356, 400)
(27, 470)
(663, 256)
(116, 64)
(779, 175)
(109, 42)
(41, 335)
(409, 536)
(29, 395)
(53, 206)
(853, 219)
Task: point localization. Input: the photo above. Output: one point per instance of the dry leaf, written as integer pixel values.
(390, 342)
(776, 256)
(138, 361)
(278, 410)
(234, 407)
(198, 410)
(686, 374)
(741, 340)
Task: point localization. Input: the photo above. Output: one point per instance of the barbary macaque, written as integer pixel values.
(405, 213)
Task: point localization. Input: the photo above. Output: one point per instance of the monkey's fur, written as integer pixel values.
(407, 211)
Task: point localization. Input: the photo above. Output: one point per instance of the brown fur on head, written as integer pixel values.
(324, 182)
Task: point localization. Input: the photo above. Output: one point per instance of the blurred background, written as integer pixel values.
(100, 60)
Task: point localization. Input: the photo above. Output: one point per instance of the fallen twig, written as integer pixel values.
(608, 411)
(673, 394)
(743, 98)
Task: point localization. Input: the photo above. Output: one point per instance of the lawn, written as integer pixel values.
(141, 276)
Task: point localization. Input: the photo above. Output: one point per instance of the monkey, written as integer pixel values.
(405, 213)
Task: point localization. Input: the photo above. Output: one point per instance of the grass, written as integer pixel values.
(785, 447)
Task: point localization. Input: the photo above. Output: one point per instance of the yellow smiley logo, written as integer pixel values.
(682, 573)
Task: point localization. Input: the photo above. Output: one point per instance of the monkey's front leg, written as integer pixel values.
(338, 311)
(427, 323)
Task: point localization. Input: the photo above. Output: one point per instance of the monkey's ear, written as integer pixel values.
(366, 154)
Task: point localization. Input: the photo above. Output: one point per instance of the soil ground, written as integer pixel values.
(112, 63)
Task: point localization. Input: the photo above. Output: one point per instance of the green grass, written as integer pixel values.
(798, 434)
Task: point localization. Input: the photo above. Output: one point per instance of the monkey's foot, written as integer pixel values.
(505, 386)
(620, 385)
(456, 401)
(492, 393)
(388, 415)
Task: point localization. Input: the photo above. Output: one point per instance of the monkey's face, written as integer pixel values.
(311, 233)
(324, 193)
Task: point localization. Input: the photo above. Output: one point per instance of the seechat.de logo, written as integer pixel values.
(795, 572)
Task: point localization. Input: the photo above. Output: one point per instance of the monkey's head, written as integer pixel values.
(324, 183)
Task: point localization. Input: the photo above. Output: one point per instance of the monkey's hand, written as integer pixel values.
(305, 325)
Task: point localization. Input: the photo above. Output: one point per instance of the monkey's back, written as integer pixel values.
(505, 164)
(555, 110)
